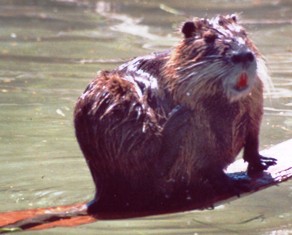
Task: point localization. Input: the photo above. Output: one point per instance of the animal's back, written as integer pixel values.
(120, 136)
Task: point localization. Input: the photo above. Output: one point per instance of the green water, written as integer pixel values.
(50, 50)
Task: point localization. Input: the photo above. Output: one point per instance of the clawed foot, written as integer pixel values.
(263, 164)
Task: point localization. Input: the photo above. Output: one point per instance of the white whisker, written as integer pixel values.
(264, 76)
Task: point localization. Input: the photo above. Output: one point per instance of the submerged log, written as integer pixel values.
(73, 215)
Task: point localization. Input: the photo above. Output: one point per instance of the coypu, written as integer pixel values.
(160, 129)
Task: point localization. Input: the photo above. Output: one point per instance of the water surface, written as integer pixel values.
(50, 50)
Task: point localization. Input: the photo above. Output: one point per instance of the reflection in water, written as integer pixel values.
(50, 50)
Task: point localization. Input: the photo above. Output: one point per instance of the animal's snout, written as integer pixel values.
(242, 56)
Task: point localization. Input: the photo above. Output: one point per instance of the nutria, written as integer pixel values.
(160, 129)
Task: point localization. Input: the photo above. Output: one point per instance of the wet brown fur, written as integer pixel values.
(152, 136)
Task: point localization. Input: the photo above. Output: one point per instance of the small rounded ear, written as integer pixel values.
(188, 29)
(234, 17)
(209, 37)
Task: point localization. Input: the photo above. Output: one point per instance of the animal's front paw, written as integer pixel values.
(178, 119)
(263, 164)
(173, 133)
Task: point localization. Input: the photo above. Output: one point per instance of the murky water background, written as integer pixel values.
(50, 50)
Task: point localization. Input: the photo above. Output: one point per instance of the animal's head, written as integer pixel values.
(216, 52)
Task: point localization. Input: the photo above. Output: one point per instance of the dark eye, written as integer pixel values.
(221, 22)
(210, 37)
(234, 18)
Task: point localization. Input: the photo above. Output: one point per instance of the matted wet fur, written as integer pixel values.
(160, 129)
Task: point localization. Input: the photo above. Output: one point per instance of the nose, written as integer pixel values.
(242, 56)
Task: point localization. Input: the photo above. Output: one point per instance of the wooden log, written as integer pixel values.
(73, 215)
